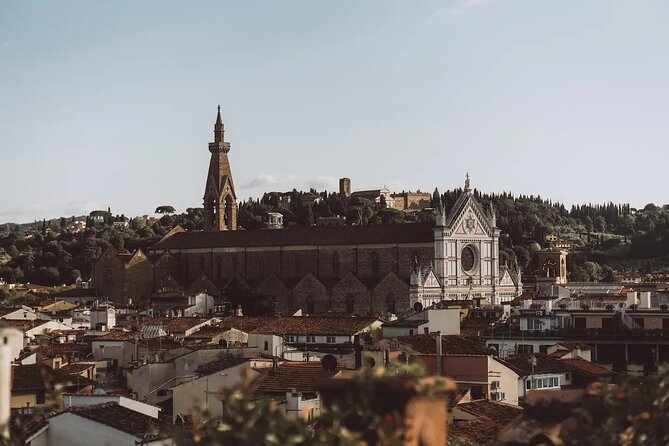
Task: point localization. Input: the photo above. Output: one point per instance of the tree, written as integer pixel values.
(165, 210)
(608, 274)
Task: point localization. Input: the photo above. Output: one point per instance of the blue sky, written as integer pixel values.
(113, 103)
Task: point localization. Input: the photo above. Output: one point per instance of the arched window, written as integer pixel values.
(350, 303)
(335, 264)
(298, 266)
(375, 265)
(390, 304)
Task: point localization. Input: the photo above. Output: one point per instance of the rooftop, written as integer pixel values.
(301, 376)
(451, 345)
(315, 325)
(120, 418)
(313, 236)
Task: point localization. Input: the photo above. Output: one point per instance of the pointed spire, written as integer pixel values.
(219, 129)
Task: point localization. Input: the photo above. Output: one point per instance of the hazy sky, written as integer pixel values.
(113, 103)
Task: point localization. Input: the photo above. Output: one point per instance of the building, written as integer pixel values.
(365, 270)
(465, 263)
(220, 199)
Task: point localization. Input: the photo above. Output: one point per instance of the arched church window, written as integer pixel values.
(298, 266)
(390, 304)
(335, 264)
(375, 265)
(350, 304)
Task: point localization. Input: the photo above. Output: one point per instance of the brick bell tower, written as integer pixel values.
(220, 200)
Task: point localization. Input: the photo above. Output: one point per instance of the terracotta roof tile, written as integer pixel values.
(301, 376)
(176, 324)
(313, 235)
(545, 364)
(120, 418)
(315, 325)
(451, 345)
(223, 364)
(587, 368)
(23, 426)
(34, 377)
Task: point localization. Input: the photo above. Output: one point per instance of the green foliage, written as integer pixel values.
(357, 416)
(634, 413)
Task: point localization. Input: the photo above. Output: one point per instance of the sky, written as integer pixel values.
(113, 103)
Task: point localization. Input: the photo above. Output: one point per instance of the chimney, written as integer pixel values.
(439, 354)
(239, 311)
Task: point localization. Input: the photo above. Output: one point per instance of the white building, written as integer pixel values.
(466, 258)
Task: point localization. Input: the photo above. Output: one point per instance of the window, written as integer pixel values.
(290, 338)
(534, 324)
(410, 332)
(311, 339)
(579, 322)
(607, 322)
(375, 265)
(349, 303)
(310, 304)
(266, 345)
(477, 392)
(525, 348)
(550, 382)
(298, 266)
(335, 264)
(162, 392)
(39, 397)
(390, 304)
(330, 339)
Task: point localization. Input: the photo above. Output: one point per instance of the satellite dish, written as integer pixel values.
(370, 362)
(418, 306)
(329, 362)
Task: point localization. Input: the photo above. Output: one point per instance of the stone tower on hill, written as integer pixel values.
(220, 200)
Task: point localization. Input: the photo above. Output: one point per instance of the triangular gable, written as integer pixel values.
(203, 283)
(430, 280)
(226, 184)
(466, 209)
(350, 282)
(169, 283)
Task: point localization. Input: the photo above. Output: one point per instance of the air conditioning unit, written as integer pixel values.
(494, 385)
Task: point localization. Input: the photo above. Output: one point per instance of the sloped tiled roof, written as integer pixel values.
(545, 364)
(24, 426)
(301, 376)
(69, 349)
(451, 345)
(222, 364)
(406, 323)
(312, 235)
(492, 417)
(314, 325)
(120, 418)
(175, 324)
(34, 377)
(587, 368)
(115, 335)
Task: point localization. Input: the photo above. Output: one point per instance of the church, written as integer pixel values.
(375, 270)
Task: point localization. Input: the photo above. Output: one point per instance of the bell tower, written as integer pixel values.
(220, 200)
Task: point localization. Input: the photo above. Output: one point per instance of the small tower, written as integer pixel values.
(345, 187)
(220, 200)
